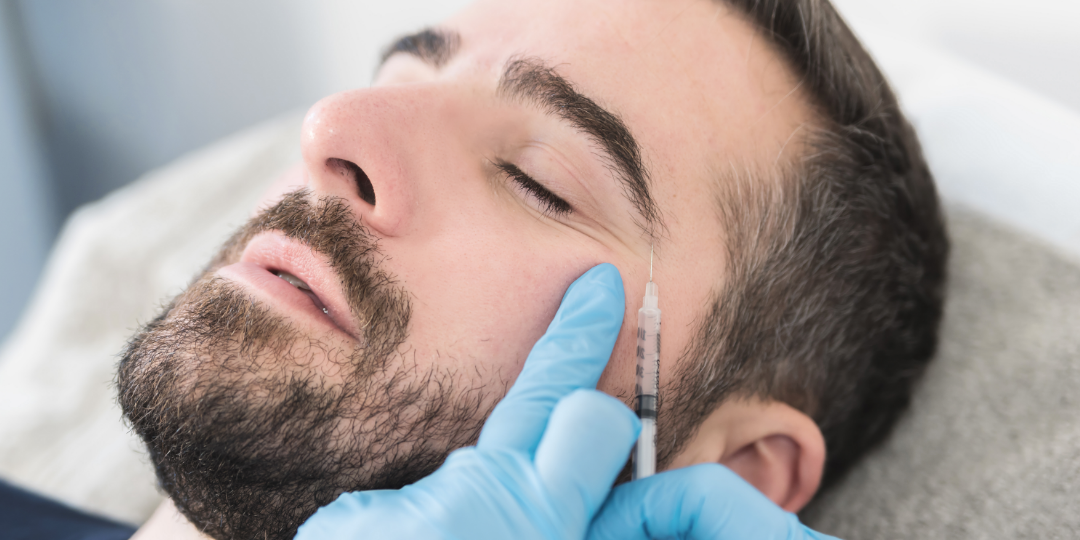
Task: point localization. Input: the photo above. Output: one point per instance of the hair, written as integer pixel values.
(836, 269)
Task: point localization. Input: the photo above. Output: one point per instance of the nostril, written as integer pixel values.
(354, 172)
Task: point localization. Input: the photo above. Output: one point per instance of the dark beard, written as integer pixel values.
(247, 436)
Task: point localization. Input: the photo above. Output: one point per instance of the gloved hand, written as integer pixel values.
(547, 455)
(695, 503)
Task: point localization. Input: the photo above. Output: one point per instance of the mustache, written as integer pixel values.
(380, 306)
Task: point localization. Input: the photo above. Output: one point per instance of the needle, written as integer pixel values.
(650, 261)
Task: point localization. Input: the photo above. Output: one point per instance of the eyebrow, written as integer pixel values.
(531, 81)
(432, 45)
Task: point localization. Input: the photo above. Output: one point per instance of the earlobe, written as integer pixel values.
(770, 444)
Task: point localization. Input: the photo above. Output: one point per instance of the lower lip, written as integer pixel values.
(277, 292)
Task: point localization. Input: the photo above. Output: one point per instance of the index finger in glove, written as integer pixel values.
(571, 355)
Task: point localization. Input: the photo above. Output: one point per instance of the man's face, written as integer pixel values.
(446, 210)
(484, 260)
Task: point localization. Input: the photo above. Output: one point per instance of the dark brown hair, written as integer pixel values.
(836, 269)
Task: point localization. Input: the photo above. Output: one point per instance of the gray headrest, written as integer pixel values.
(991, 445)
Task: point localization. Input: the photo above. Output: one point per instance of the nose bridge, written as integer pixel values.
(362, 146)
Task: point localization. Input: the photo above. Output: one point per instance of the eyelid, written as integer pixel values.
(550, 204)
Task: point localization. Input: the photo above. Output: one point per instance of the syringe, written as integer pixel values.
(648, 379)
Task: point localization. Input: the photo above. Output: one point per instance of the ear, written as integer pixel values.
(770, 444)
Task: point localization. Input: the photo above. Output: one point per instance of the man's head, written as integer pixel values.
(443, 212)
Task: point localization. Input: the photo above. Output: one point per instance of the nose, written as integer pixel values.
(354, 146)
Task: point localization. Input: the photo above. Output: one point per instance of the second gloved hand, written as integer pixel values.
(546, 458)
(703, 502)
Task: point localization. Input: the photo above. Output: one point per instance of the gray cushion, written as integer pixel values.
(991, 445)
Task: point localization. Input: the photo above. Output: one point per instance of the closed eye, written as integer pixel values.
(549, 203)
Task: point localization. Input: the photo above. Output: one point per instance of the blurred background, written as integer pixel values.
(94, 93)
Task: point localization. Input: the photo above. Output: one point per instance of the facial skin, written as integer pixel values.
(484, 266)
(482, 261)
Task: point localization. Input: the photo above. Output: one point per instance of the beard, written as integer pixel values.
(247, 431)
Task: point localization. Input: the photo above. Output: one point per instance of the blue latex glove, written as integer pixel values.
(695, 503)
(547, 455)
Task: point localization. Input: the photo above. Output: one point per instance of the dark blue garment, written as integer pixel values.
(26, 516)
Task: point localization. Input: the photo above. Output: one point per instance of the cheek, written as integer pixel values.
(687, 279)
(677, 327)
(484, 293)
(618, 378)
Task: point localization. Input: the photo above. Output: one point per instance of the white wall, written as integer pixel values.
(351, 34)
(130, 84)
(26, 216)
(1033, 43)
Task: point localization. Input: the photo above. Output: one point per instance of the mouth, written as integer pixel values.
(304, 288)
(289, 274)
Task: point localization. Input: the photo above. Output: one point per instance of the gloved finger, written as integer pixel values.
(570, 355)
(339, 518)
(699, 502)
(587, 441)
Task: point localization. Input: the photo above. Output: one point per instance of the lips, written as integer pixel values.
(290, 275)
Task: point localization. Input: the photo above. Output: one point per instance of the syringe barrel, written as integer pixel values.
(645, 450)
(647, 382)
(648, 352)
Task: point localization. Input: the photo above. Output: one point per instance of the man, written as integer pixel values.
(370, 316)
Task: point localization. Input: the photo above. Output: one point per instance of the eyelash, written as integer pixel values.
(550, 204)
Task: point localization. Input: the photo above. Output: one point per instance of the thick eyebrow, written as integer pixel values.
(434, 46)
(532, 81)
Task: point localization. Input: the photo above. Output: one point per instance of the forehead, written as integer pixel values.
(696, 84)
